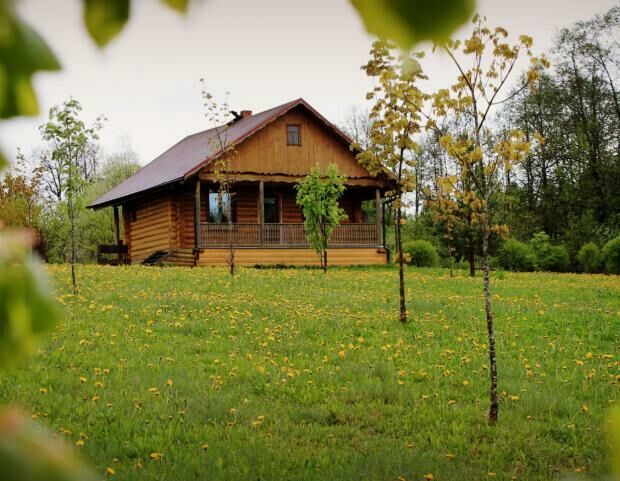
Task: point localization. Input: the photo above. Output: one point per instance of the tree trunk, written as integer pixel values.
(71, 209)
(231, 255)
(325, 262)
(231, 247)
(494, 406)
(471, 251)
(401, 265)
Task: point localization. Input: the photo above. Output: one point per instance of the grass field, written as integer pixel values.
(183, 374)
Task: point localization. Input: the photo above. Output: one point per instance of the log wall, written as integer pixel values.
(262, 256)
(267, 152)
(150, 230)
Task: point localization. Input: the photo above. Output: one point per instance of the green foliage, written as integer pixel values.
(272, 348)
(318, 196)
(180, 5)
(589, 258)
(26, 311)
(421, 253)
(408, 22)
(549, 257)
(105, 19)
(556, 260)
(611, 255)
(94, 227)
(22, 53)
(516, 256)
(568, 184)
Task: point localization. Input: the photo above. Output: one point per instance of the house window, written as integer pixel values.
(293, 134)
(219, 207)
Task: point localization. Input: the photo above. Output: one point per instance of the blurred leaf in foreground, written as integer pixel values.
(408, 22)
(22, 53)
(29, 452)
(26, 311)
(105, 19)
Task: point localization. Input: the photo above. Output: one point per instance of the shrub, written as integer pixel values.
(611, 254)
(516, 256)
(549, 257)
(555, 260)
(421, 253)
(589, 257)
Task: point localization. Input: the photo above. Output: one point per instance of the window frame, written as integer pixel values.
(288, 142)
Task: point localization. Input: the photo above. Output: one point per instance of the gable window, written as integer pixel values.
(219, 207)
(293, 134)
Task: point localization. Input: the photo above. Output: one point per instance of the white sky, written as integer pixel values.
(265, 52)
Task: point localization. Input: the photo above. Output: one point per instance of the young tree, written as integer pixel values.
(484, 63)
(70, 139)
(395, 119)
(318, 196)
(218, 114)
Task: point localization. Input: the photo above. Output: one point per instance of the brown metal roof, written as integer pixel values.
(192, 153)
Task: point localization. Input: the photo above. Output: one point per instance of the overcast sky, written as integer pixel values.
(265, 52)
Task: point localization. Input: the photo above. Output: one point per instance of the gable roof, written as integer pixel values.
(187, 157)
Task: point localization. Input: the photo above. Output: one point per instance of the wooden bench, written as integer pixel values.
(120, 251)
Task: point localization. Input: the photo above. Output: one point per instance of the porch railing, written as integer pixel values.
(284, 235)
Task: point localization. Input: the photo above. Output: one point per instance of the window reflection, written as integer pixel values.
(219, 207)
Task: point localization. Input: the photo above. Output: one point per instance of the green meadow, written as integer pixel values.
(183, 374)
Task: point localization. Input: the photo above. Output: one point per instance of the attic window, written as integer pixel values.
(293, 134)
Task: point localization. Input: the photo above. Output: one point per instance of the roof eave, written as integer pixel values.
(133, 195)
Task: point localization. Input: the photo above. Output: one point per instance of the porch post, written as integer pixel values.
(197, 239)
(379, 216)
(261, 210)
(117, 237)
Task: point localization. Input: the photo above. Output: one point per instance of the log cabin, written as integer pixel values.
(173, 211)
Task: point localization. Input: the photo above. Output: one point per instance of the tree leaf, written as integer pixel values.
(105, 19)
(408, 22)
(29, 452)
(26, 311)
(180, 5)
(22, 53)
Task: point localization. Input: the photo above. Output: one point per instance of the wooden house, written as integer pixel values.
(171, 211)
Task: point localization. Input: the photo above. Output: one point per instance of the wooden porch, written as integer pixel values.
(285, 235)
(283, 226)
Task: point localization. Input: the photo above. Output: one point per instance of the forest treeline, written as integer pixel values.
(568, 186)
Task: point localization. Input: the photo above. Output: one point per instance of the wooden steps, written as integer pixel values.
(181, 257)
(155, 258)
(176, 257)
